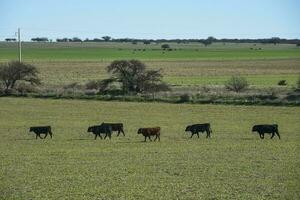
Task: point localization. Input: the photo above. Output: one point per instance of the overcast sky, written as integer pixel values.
(150, 19)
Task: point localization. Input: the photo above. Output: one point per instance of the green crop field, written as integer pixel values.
(110, 51)
(187, 64)
(233, 164)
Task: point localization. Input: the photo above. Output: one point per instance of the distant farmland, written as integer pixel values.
(111, 51)
(185, 65)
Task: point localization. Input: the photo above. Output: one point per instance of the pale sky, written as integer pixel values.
(151, 19)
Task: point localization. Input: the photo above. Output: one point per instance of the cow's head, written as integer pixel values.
(188, 128)
(139, 131)
(254, 128)
(31, 129)
(90, 129)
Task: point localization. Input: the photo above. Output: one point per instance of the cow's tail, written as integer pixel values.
(210, 129)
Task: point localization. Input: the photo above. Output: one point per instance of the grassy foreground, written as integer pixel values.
(234, 164)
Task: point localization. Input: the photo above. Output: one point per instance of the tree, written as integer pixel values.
(152, 82)
(165, 46)
(236, 84)
(12, 72)
(146, 42)
(208, 41)
(133, 77)
(106, 38)
(275, 40)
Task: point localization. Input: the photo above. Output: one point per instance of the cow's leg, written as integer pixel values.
(96, 136)
(109, 135)
(207, 134)
(145, 138)
(36, 136)
(149, 138)
(155, 137)
(100, 136)
(277, 133)
(192, 135)
(50, 133)
(262, 136)
(272, 135)
(123, 132)
(46, 134)
(41, 136)
(198, 134)
(118, 133)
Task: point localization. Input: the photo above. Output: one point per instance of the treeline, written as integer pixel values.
(207, 41)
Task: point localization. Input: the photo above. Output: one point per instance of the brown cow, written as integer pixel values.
(148, 132)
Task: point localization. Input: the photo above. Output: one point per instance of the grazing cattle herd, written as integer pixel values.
(107, 129)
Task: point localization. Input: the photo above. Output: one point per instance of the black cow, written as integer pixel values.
(38, 130)
(116, 127)
(196, 128)
(101, 129)
(266, 128)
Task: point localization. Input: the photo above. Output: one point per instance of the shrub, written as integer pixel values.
(24, 88)
(92, 85)
(165, 46)
(184, 98)
(74, 85)
(237, 84)
(282, 82)
(298, 83)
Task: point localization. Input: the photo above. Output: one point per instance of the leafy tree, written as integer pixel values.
(275, 40)
(208, 41)
(12, 72)
(237, 84)
(133, 77)
(147, 42)
(106, 38)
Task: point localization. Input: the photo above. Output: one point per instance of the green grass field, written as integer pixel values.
(191, 64)
(233, 164)
(111, 51)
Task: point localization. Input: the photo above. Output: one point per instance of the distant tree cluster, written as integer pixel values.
(74, 39)
(206, 42)
(10, 39)
(40, 39)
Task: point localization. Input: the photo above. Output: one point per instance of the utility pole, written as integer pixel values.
(20, 46)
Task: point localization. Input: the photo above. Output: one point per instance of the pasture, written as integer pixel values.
(186, 65)
(233, 164)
